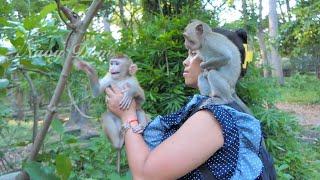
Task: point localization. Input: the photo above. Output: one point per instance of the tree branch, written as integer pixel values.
(79, 34)
(80, 30)
(35, 103)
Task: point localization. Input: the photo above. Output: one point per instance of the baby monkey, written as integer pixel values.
(121, 74)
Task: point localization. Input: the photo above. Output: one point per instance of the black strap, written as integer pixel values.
(206, 173)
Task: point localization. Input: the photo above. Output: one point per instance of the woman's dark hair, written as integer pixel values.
(238, 37)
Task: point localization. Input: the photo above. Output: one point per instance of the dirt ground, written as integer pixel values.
(309, 118)
(308, 115)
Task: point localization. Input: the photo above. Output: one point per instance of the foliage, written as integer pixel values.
(37, 171)
(300, 36)
(157, 47)
(74, 159)
(14, 134)
(301, 89)
(290, 156)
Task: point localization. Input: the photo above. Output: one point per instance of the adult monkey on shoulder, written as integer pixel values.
(121, 74)
(221, 62)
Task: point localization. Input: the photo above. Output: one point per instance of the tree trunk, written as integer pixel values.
(318, 66)
(106, 24)
(16, 97)
(246, 24)
(76, 121)
(263, 49)
(282, 13)
(263, 53)
(35, 104)
(288, 10)
(121, 9)
(245, 14)
(80, 123)
(273, 28)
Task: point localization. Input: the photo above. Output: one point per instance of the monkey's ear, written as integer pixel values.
(133, 69)
(199, 29)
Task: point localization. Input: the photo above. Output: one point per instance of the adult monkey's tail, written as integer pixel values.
(241, 104)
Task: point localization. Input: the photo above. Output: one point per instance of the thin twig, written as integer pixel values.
(73, 102)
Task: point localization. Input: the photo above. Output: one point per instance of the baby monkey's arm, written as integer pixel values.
(98, 86)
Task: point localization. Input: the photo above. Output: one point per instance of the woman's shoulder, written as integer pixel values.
(242, 139)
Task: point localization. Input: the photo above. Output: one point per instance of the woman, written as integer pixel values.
(200, 141)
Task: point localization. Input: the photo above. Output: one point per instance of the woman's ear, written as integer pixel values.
(133, 69)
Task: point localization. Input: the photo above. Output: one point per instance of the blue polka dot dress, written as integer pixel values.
(237, 159)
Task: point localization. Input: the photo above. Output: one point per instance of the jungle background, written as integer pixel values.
(281, 85)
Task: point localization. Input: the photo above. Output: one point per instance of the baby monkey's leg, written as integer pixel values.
(112, 125)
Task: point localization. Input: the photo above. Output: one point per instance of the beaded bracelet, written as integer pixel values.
(136, 129)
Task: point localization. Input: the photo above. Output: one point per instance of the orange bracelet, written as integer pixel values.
(133, 120)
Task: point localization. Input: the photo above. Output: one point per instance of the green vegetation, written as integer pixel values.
(304, 89)
(281, 128)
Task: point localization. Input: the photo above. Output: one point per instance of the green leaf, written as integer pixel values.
(283, 167)
(3, 21)
(3, 51)
(31, 22)
(39, 61)
(18, 43)
(38, 64)
(4, 83)
(70, 139)
(37, 172)
(1, 154)
(114, 176)
(128, 176)
(47, 9)
(57, 126)
(63, 166)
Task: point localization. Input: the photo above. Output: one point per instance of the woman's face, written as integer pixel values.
(192, 69)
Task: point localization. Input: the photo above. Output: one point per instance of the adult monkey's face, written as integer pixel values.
(119, 68)
(193, 35)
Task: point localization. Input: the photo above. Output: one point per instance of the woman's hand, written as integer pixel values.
(113, 98)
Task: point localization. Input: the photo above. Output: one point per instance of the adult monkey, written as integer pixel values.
(221, 63)
(121, 74)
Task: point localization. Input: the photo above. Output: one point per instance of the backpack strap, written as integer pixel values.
(206, 173)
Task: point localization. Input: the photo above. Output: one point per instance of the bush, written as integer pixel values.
(282, 129)
(301, 89)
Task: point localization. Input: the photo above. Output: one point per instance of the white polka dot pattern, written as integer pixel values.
(237, 159)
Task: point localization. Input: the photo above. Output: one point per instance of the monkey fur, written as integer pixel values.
(221, 63)
(238, 37)
(121, 74)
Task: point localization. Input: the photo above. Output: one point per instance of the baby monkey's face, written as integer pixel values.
(119, 68)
